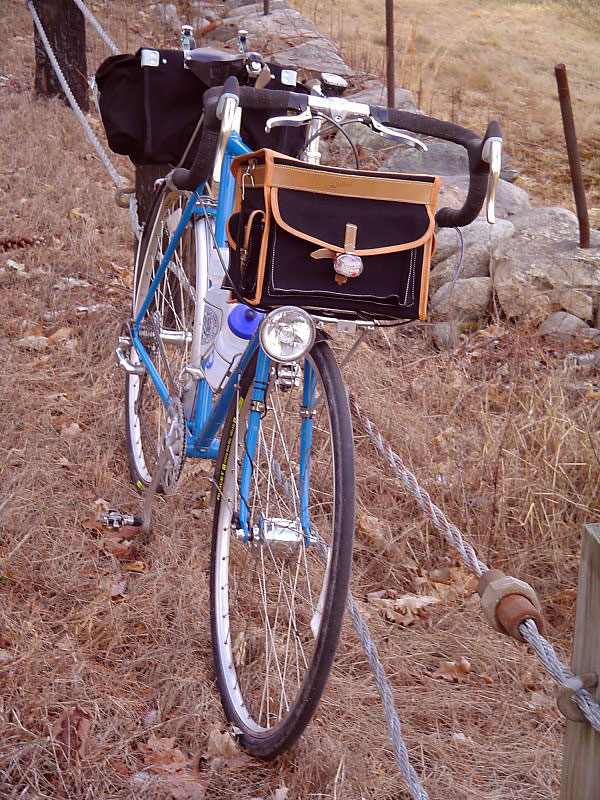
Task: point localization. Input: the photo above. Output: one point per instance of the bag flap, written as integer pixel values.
(383, 226)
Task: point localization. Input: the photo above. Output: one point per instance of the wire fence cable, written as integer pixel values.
(81, 117)
(528, 629)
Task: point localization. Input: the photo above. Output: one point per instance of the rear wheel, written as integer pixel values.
(166, 332)
(277, 601)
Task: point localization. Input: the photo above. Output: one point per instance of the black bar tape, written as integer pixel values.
(265, 99)
(198, 173)
(478, 169)
(272, 99)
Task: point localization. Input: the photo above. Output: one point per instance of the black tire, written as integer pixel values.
(260, 596)
(171, 312)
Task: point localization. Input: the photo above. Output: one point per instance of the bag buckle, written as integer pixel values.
(346, 264)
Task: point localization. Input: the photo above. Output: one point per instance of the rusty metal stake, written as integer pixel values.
(389, 48)
(566, 109)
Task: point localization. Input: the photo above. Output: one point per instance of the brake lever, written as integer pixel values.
(492, 155)
(392, 133)
(295, 121)
(229, 114)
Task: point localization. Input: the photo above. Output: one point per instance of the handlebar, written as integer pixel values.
(275, 100)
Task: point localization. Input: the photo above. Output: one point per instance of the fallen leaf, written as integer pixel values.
(60, 334)
(93, 524)
(162, 755)
(222, 750)
(374, 530)
(134, 566)
(124, 551)
(101, 504)
(36, 343)
(453, 670)
(404, 610)
(71, 731)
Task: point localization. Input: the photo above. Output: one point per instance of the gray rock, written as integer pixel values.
(534, 274)
(479, 238)
(272, 35)
(313, 57)
(374, 93)
(468, 300)
(167, 13)
(562, 324)
(557, 223)
(510, 199)
(441, 158)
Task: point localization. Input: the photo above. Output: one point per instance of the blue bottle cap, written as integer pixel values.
(244, 321)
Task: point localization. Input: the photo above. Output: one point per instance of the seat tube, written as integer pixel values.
(261, 379)
(307, 411)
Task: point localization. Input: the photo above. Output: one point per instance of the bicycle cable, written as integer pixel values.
(340, 127)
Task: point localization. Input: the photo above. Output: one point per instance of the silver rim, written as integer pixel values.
(270, 596)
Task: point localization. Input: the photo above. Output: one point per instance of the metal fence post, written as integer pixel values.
(389, 50)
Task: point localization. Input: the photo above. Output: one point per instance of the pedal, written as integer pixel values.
(115, 519)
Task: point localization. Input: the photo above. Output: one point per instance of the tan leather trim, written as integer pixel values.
(364, 187)
(396, 248)
(425, 279)
(262, 260)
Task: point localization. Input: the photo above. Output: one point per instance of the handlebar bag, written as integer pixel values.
(149, 112)
(151, 104)
(293, 220)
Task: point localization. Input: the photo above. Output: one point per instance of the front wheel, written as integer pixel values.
(277, 599)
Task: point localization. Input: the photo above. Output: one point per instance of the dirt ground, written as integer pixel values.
(501, 431)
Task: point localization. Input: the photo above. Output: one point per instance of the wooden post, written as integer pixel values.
(266, 7)
(389, 51)
(581, 758)
(64, 25)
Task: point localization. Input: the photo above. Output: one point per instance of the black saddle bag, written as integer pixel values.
(344, 242)
(150, 105)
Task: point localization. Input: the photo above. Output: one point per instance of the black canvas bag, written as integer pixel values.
(149, 112)
(292, 220)
(151, 104)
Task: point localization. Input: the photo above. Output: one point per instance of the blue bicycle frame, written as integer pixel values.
(208, 413)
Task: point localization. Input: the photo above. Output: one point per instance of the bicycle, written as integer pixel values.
(283, 489)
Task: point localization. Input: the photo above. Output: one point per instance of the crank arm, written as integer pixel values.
(492, 154)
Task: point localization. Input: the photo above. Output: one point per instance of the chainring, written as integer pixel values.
(174, 440)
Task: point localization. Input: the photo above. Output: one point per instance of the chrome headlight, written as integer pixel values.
(287, 334)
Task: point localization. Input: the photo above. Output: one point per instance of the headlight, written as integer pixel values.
(287, 334)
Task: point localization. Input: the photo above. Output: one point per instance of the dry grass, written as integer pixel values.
(481, 61)
(494, 430)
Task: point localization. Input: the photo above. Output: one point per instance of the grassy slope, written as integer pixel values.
(476, 61)
(492, 430)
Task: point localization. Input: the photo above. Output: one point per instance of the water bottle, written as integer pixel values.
(238, 328)
(216, 306)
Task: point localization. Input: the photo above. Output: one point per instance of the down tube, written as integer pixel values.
(261, 378)
(308, 399)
